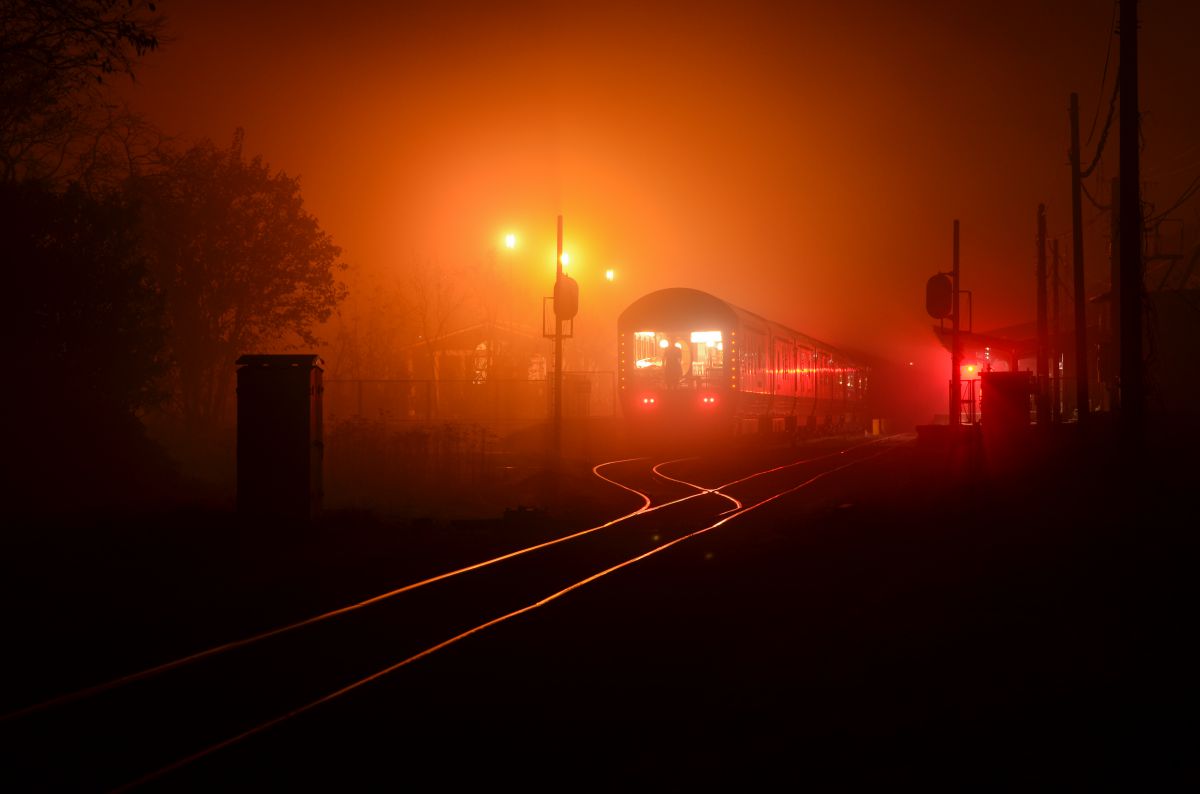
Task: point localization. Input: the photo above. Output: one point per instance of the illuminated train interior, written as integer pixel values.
(688, 357)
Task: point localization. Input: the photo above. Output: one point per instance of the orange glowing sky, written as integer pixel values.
(803, 160)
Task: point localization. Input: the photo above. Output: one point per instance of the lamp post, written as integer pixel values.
(558, 337)
(510, 247)
(566, 306)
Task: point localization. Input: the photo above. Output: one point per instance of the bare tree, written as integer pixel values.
(434, 296)
(368, 333)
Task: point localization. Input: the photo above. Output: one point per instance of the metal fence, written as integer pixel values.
(1060, 392)
(492, 403)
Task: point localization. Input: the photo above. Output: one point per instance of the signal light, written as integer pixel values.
(647, 401)
(709, 399)
(939, 296)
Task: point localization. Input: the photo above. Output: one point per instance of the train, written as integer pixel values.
(690, 362)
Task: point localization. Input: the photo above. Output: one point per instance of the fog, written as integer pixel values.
(805, 161)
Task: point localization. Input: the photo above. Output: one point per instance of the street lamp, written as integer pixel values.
(510, 243)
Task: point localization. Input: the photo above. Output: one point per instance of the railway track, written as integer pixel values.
(151, 724)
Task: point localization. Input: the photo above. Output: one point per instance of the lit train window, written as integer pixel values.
(645, 349)
(707, 352)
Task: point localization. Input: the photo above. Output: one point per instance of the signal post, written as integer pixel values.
(565, 304)
(941, 301)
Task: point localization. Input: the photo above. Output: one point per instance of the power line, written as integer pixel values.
(1112, 107)
(1188, 192)
(1096, 204)
(1112, 33)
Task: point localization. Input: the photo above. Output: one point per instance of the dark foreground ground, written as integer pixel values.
(965, 620)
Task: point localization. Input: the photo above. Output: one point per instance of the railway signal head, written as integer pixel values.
(939, 296)
(566, 297)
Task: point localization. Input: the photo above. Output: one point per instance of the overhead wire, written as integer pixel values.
(1112, 33)
(1112, 107)
(1150, 219)
(1184, 197)
(1091, 198)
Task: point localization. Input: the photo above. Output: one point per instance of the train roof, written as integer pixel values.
(680, 306)
(684, 306)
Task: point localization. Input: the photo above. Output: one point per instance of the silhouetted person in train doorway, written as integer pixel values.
(673, 364)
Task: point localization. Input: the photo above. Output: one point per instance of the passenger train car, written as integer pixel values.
(688, 360)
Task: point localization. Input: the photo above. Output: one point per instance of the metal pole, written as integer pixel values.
(955, 347)
(558, 343)
(1113, 360)
(1081, 346)
(1043, 342)
(1132, 385)
(1055, 342)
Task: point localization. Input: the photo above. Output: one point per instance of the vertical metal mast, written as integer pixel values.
(1081, 366)
(1043, 331)
(1132, 385)
(955, 347)
(1056, 340)
(558, 347)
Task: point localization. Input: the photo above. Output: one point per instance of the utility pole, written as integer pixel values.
(1133, 398)
(1081, 366)
(1043, 343)
(1055, 341)
(1114, 297)
(955, 348)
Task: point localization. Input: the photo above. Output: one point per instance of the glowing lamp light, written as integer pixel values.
(510, 241)
(664, 344)
(566, 259)
(609, 274)
(647, 401)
